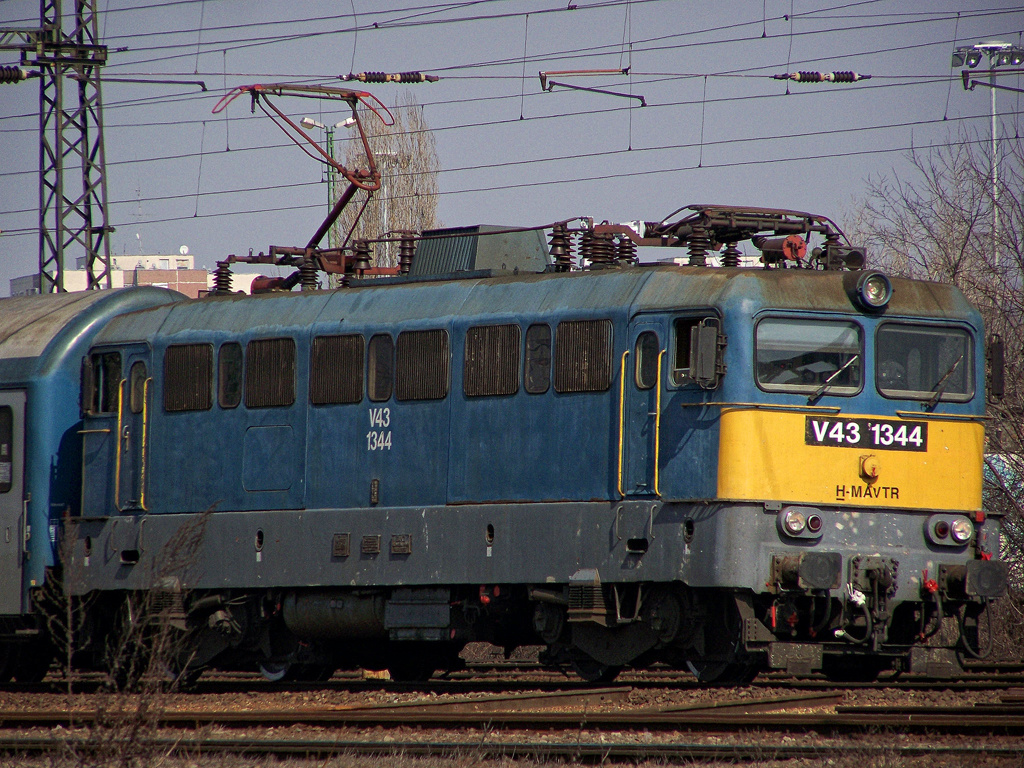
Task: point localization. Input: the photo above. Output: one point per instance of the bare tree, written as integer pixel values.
(935, 222)
(406, 156)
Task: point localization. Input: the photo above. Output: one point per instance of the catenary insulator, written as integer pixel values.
(822, 77)
(699, 244)
(222, 277)
(602, 251)
(307, 273)
(12, 74)
(391, 77)
(625, 249)
(361, 256)
(406, 250)
(731, 255)
(561, 248)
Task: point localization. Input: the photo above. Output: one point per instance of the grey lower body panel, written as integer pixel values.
(703, 545)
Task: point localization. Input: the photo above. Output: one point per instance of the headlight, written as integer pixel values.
(868, 290)
(962, 529)
(794, 522)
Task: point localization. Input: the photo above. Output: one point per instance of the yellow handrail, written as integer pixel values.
(657, 426)
(622, 416)
(142, 447)
(117, 461)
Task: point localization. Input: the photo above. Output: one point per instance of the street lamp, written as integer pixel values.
(999, 54)
(332, 172)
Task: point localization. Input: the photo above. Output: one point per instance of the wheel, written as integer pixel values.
(723, 672)
(32, 661)
(274, 671)
(594, 671)
(8, 653)
(411, 670)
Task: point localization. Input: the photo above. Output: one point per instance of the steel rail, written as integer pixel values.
(589, 752)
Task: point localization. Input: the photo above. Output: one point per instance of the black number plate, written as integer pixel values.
(875, 434)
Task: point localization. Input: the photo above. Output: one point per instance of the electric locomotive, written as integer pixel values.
(722, 468)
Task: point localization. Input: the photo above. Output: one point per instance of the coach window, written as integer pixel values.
(229, 375)
(583, 356)
(101, 382)
(646, 372)
(924, 362)
(380, 367)
(422, 363)
(137, 387)
(801, 355)
(537, 371)
(336, 370)
(269, 373)
(492, 360)
(188, 377)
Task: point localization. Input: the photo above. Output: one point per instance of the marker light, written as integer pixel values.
(941, 529)
(794, 522)
(962, 530)
(813, 523)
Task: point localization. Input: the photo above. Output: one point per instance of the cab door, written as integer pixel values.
(641, 390)
(12, 498)
(102, 399)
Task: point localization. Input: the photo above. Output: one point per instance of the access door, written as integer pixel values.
(640, 402)
(12, 499)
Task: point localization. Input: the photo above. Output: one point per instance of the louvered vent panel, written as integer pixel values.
(422, 365)
(188, 377)
(336, 370)
(269, 373)
(583, 355)
(492, 360)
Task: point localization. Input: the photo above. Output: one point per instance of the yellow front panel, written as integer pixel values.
(766, 455)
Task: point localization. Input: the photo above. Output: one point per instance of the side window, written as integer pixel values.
(101, 382)
(137, 387)
(422, 365)
(646, 360)
(269, 373)
(492, 360)
(537, 371)
(229, 375)
(6, 449)
(683, 328)
(583, 356)
(188, 377)
(336, 370)
(380, 367)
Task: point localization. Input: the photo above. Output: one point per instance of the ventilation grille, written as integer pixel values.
(492, 360)
(336, 370)
(188, 377)
(269, 373)
(583, 354)
(422, 365)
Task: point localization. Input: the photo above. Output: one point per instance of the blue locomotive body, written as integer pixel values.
(720, 468)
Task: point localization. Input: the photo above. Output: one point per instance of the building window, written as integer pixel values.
(229, 375)
(188, 377)
(269, 373)
(380, 367)
(422, 367)
(336, 370)
(492, 360)
(583, 356)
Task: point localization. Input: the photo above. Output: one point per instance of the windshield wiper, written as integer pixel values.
(939, 388)
(828, 382)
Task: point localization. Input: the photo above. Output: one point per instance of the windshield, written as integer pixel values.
(921, 362)
(796, 355)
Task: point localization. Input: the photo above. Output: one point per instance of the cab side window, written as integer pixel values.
(101, 382)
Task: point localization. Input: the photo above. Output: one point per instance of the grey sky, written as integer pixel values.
(716, 128)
